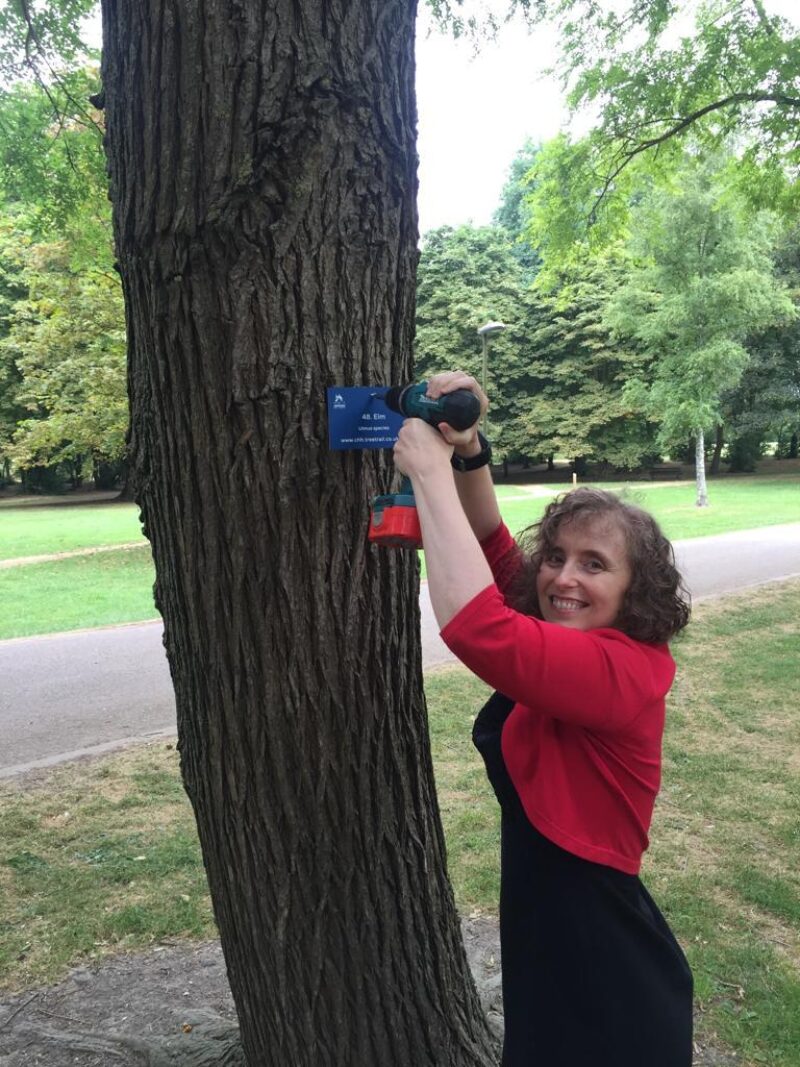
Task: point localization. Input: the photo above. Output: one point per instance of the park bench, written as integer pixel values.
(662, 471)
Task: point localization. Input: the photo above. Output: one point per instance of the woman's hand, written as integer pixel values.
(466, 441)
(420, 449)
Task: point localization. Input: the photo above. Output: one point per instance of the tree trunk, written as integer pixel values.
(793, 446)
(126, 493)
(718, 445)
(263, 167)
(700, 469)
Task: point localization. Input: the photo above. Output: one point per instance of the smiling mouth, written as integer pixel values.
(560, 604)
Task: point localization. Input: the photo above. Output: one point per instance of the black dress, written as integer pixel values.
(592, 974)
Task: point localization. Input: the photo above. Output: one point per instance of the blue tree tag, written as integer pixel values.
(358, 418)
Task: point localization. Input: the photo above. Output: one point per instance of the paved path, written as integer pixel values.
(64, 694)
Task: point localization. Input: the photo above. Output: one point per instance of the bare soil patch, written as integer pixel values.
(152, 1008)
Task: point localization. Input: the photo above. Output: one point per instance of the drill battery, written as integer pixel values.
(394, 522)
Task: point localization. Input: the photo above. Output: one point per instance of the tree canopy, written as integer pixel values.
(62, 321)
(657, 77)
(701, 282)
(66, 339)
(41, 38)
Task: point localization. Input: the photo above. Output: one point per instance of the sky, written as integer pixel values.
(474, 114)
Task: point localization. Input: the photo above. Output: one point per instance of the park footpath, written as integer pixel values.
(24, 561)
(88, 691)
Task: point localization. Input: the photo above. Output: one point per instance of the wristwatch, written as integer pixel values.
(472, 463)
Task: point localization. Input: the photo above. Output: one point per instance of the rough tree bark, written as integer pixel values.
(263, 167)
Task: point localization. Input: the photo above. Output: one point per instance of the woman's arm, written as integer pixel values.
(547, 668)
(457, 569)
(476, 493)
(600, 679)
(475, 488)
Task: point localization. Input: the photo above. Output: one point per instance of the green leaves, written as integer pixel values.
(51, 155)
(62, 344)
(555, 376)
(655, 83)
(579, 408)
(64, 353)
(704, 281)
(38, 37)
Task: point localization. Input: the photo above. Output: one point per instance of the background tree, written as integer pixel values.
(51, 158)
(12, 289)
(42, 39)
(563, 221)
(468, 276)
(556, 377)
(650, 80)
(263, 171)
(578, 407)
(66, 340)
(765, 406)
(704, 282)
(513, 212)
(54, 205)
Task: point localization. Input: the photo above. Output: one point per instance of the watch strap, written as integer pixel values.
(473, 463)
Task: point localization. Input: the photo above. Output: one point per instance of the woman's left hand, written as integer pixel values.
(420, 449)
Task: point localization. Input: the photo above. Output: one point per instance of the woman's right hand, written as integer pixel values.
(466, 441)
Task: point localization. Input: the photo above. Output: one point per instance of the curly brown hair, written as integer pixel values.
(656, 605)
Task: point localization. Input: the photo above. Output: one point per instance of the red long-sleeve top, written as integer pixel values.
(583, 742)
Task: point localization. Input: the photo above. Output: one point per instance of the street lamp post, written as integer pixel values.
(485, 332)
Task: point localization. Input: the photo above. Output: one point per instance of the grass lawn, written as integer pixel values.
(70, 594)
(736, 504)
(102, 856)
(39, 531)
(117, 586)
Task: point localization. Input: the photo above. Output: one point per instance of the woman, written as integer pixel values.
(573, 638)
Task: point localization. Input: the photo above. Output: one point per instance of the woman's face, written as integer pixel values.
(584, 575)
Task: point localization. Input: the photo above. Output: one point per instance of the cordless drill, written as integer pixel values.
(394, 522)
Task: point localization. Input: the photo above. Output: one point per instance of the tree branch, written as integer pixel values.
(32, 35)
(763, 17)
(679, 127)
